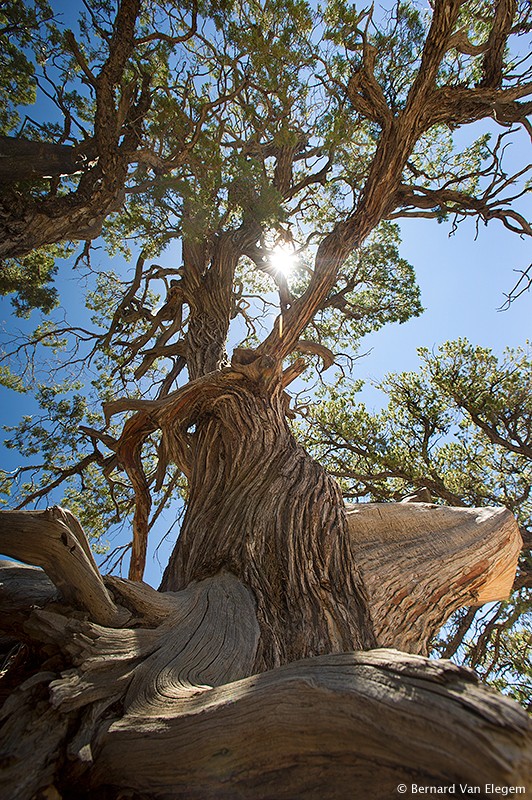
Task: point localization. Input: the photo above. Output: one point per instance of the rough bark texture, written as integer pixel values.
(125, 692)
(254, 494)
(122, 689)
(209, 294)
(21, 159)
(338, 726)
(26, 226)
(105, 711)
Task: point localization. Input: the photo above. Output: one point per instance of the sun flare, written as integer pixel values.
(283, 259)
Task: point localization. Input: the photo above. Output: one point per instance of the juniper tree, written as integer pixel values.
(244, 132)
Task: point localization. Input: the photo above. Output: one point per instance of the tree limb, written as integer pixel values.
(54, 540)
(421, 562)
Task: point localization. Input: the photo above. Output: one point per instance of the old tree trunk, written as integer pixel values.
(270, 664)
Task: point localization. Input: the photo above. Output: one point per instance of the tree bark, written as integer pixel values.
(338, 726)
(54, 540)
(422, 561)
(239, 679)
(22, 160)
(168, 706)
(261, 508)
(208, 290)
(27, 224)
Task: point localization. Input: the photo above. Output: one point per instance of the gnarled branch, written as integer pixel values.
(54, 540)
(422, 561)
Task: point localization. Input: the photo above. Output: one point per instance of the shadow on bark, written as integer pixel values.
(137, 693)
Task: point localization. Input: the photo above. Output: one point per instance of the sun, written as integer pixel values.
(283, 259)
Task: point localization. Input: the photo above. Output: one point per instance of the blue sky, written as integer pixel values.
(463, 285)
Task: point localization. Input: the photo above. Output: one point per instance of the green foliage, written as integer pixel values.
(58, 461)
(431, 433)
(11, 380)
(462, 427)
(376, 287)
(30, 280)
(253, 79)
(22, 26)
(51, 446)
(399, 44)
(63, 415)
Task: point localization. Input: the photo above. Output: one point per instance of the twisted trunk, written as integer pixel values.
(261, 508)
(239, 678)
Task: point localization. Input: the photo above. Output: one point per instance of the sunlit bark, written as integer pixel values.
(136, 708)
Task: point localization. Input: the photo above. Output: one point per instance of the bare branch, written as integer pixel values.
(518, 290)
(54, 540)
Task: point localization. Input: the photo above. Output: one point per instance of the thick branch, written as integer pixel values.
(22, 589)
(521, 448)
(121, 47)
(434, 202)
(493, 62)
(459, 105)
(205, 636)
(358, 722)
(21, 159)
(54, 540)
(30, 223)
(421, 562)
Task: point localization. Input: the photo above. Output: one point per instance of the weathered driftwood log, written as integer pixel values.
(164, 705)
(422, 561)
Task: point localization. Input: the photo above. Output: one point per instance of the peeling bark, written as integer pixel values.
(422, 561)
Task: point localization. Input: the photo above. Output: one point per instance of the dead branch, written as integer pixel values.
(54, 540)
(415, 587)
